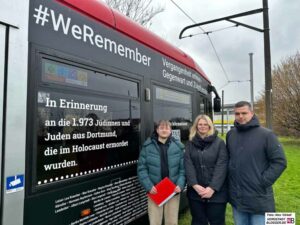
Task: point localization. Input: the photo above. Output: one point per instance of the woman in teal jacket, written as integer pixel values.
(160, 157)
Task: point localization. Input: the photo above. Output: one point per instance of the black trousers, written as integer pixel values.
(207, 212)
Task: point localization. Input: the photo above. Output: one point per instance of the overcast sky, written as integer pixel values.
(234, 44)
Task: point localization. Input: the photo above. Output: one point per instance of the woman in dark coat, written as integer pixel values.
(205, 161)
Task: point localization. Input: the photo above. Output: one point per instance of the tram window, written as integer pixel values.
(163, 94)
(82, 134)
(59, 73)
(176, 107)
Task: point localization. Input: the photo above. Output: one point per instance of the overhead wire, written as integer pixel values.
(228, 82)
(212, 44)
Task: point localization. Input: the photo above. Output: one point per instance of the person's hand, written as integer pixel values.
(153, 190)
(177, 189)
(208, 192)
(199, 189)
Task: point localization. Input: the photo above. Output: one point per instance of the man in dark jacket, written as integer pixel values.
(256, 160)
(160, 157)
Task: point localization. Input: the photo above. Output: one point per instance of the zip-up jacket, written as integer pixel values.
(149, 165)
(256, 161)
(207, 167)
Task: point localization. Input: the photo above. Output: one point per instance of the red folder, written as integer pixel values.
(165, 191)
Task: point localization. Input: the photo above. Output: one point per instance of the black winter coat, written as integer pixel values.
(256, 160)
(207, 167)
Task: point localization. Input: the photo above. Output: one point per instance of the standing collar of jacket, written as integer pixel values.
(152, 140)
(254, 122)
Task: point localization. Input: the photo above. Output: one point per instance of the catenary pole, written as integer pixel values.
(251, 80)
(268, 76)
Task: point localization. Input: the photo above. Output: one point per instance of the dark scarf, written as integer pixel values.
(201, 143)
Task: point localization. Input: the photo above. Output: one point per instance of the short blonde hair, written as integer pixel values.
(193, 129)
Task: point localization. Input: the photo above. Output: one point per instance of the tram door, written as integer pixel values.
(13, 89)
(175, 106)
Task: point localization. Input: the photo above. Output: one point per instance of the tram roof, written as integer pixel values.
(112, 18)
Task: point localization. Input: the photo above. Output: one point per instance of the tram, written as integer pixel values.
(81, 87)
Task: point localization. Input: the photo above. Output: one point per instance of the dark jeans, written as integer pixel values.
(207, 212)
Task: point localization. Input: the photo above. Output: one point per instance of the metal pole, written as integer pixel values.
(268, 76)
(222, 128)
(228, 127)
(224, 18)
(251, 80)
